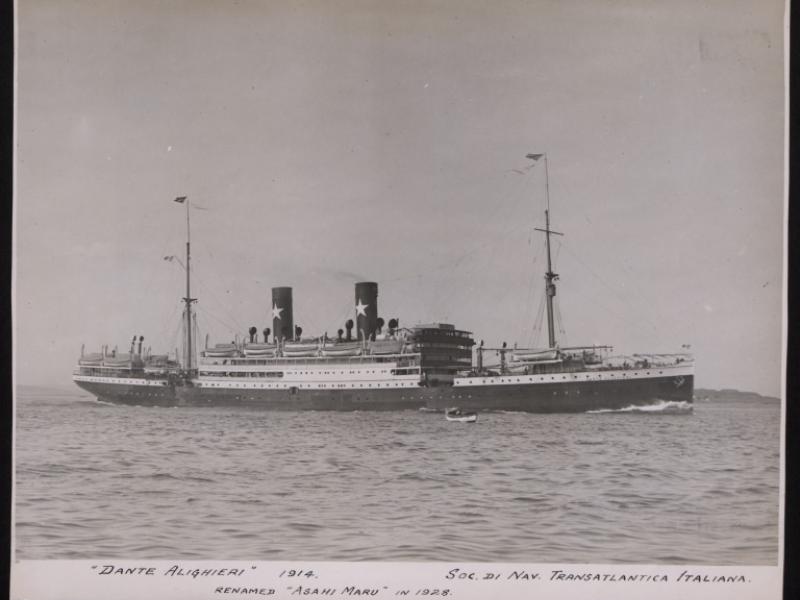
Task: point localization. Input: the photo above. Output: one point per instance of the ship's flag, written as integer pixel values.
(534, 157)
(180, 199)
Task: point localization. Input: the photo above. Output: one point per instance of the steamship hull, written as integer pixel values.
(134, 393)
(568, 397)
(533, 397)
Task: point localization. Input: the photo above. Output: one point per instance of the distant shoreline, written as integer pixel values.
(728, 394)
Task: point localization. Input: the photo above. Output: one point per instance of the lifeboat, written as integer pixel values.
(268, 350)
(534, 355)
(456, 414)
(301, 348)
(526, 368)
(125, 360)
(341, 349)
(91, 360)
(221, 351)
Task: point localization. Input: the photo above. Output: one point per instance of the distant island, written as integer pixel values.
(729, 395)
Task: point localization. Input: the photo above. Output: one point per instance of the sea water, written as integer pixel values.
(669, 484)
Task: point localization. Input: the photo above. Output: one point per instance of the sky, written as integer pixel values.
(323, 143)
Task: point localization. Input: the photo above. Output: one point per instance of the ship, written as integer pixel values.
(383, 366)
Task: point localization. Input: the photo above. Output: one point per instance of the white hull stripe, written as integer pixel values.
(581, 376)
(122, 380)
(306, 385)
(410, 382)
(316, 369)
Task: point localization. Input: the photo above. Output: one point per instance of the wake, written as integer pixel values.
(665, 407)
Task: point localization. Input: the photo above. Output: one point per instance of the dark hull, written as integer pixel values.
(569, 397)
(134, 395)
(566, 397)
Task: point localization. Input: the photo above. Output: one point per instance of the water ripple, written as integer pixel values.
(629, 486)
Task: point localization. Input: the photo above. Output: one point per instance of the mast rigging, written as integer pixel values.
(188, 350)
(550, 277)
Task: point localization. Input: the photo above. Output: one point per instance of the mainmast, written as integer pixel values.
(188, 350)
(550, 277)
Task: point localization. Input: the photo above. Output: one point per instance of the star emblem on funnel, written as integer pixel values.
(276, 312)
(361, 308)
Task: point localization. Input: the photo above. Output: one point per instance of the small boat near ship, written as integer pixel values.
(383, 366)
(456, 414)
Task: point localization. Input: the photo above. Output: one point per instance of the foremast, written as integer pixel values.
(188, 359)
(549, 276)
